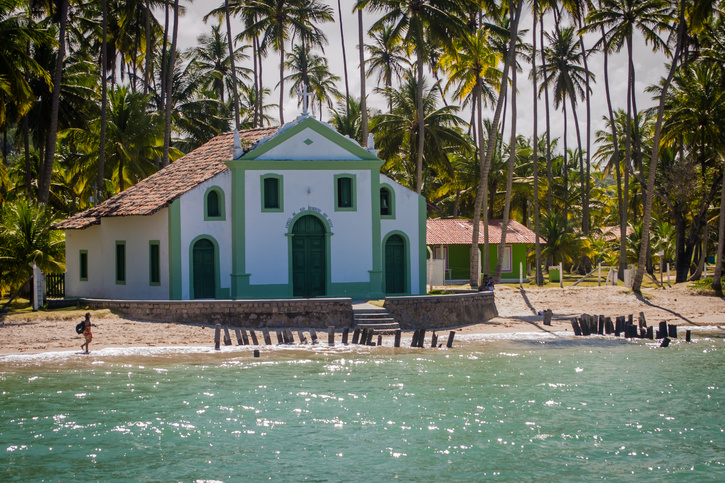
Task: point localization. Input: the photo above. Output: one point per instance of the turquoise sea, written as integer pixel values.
(509, 409)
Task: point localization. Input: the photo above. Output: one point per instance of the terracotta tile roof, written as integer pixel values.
(162, 188)
(441, 231)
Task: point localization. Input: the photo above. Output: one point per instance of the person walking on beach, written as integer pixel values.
(87, 332)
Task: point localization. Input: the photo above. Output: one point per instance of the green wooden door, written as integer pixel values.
(204, 279)
(395, 265)
(308, 257)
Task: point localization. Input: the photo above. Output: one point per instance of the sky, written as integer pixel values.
(649, 68)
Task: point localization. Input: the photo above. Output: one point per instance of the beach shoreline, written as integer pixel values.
(518, 310)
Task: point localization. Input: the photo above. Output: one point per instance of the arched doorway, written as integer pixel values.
(395, 279)
(204, 276)
(308, 257)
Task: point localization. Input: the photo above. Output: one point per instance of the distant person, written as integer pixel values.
(484, 284)
(87, 332)
(490, 285)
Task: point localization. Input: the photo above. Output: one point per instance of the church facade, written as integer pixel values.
(270, 213)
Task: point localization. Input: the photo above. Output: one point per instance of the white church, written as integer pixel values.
(273, 213)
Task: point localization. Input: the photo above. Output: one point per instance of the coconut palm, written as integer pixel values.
(387, 59)
(311, 73)
(417, 23)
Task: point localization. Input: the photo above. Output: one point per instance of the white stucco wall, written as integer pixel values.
(100, 242)
(193, 225)
(406, 220)
(267, 251)
(320, 149)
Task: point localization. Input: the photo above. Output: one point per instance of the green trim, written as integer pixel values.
(120, 270)
(408, 274)
(292, 165)
(222, 204)
(81, 255)
(280, 193)
(152, 244)
(322, 129)
(376, 274)
(422, 266)
(391, 201)
(289, 235)
(175, 282)
(239, 277)
(353, 192)
(219, 293)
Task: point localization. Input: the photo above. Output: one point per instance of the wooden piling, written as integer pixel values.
(672, 331)
(267, 338)
(434, 339)
(245, 339)
(662, 333)
(630, 319)
(619, 325)
(421, 338)
(355, 335)
(451, 335)
(576, 327)
(398, 333)
(608, 326)
(380, 340)
(331, 335)
(688, 334)
(369, 340)
(364, 337)
(665, 342)
(290, 336)
(643, 332)
(280, 337)
(301, 335)
(313, 336)
(584, 325)
(414, 341)
(256, 352)
(217, 335)
(547, 317)
(239, 337)
(345, 333)
(642, 320)
(254, 337)
(600, 329)
(227, 337)
(650, 332)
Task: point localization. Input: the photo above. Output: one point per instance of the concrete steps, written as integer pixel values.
(375, 318)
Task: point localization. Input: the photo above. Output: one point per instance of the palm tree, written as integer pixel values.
(417, 23)
(169, 82)
(310, 72)
(363, 89)
(386, 57)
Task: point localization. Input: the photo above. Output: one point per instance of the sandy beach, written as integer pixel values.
(518, 312)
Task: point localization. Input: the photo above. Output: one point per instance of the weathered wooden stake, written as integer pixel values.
(434, 339)
(380, 340)
(398, 333)
(630, 319)
(254, 337)
(239, 336)
(662, 333)
(245, 339)
(608, 326)
(280, 338)
(345, 333)
(227, 337)
(301, 335)
(643, 332)
(650, 332)
(267, 338)
(355, 335)
(290, 336)
(364, 337)
(642, 320)
(600, 330)
(331, 335)
(451, 335)
(584, 325)
(575, 326)
(547, 317)
(665, 342)
(369, 340)
(217, 335)
(672, 331)
(421, 338)
(256, 352)
(313, 335)
(688, 334)
(414, 342)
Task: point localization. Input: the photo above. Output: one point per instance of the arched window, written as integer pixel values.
(387, 202)
(214, 204)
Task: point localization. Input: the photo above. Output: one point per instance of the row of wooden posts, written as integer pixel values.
(359, 336)
(623, 325)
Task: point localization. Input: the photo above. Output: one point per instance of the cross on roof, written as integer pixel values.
(305, 95)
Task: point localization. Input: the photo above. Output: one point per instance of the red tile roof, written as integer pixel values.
(441, 231)
(162, 188)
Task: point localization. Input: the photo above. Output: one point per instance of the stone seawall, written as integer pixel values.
(440, 311)
(241, 313)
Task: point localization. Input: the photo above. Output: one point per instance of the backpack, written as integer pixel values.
(80, 327)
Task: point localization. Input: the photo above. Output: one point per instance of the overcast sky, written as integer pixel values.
(650, 67)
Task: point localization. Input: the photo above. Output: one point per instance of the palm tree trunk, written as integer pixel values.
(549, 198)
(363, 90)
(344, 62)
(565, 169)
(169, 84)
(585, 201)
(509, 177)
(647, 215)
(281, 82)
(230, 42)
(586, 185)
(482, 193)
(537, 247)
(717, 276)
(164, 65)
(149, 52)
(98, 196)
(421, 122)
(44, 177)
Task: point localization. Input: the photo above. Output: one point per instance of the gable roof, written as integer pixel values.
(161, 189)
(441, 231)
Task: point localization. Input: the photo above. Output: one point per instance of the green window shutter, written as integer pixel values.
(154, 264)
(121, 262)
(212, 204)
(271, 193)
(344, 192)
(84, 265)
